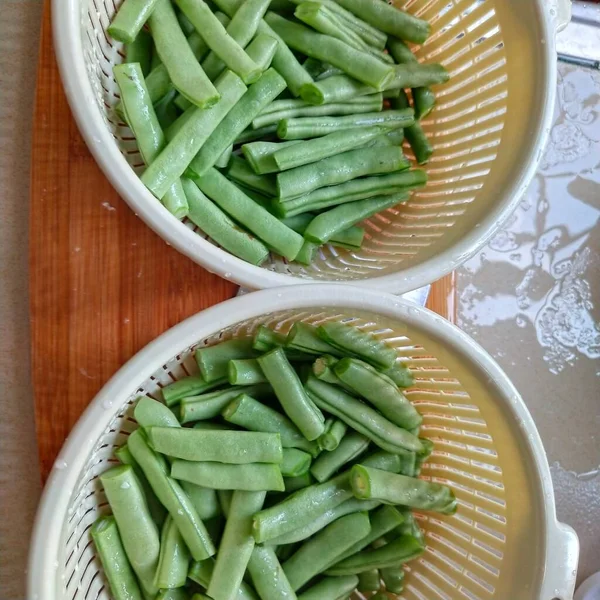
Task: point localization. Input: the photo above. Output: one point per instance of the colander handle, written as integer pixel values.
(560, 13)
(561, 567)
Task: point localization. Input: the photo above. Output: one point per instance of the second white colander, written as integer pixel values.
(504, 543)
(489, 130)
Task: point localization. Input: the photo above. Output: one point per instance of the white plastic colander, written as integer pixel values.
(489, 130)
(504, 543)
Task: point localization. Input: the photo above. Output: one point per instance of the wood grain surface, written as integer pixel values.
(102, 284)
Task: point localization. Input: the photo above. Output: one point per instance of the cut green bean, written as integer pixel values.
(351, 446)
(389, 19)
(166, 111)
(267, 575)
(121, 579)
(418, 75)
(221, 228)
(246, 412)
(368, 581)
(331, 588)
(175, 53)
(209, 406)
(337, 88)
(304, 337)
(171, 495)
(150, 413)
(266, 89)
(201, 572)
(323, 370)
(240, 32)
(295, 462)
(188, 386)
(330, 439)
(361, 417)
(260, 155)
(224, 159)
(179, 152)
(130, 18)
(137, 530)
(356, 63)
(219, 40)
(262, 50)
(246, 211)
(251, 135)
(235, 447)
(236, 546)
(378, 389)
(401, 550)
(363, 104)
(203, 499)
(337, 219)
(319, 552)
(296, 154)
(290, 393)
(399, 489)
(157, 510)
(222, 476)
(266, 339)
(293, 484)
(309, 127)
(415, 135)
(339, 169)
(174, 594)
(140, 51)
(240, 171)
(174, 558)
(393, 579)
(245, 372)
(213, 361)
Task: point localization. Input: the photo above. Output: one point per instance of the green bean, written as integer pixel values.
(351, 446)
(251, 135)
(188, 386)
(379, 390)
(241, 172)
(184, 70)
(307, 254)
(314, 67)
(213, 361)
(236, 546)
(309, 127)
(268, 576)
(121, 579)
(174, 594)
(262, 50)
(304, 337)
(415, 136)
(260, 155)
(337, 88)
(361, 417)
(401, 550)
(293, 484)
(138, 531)
(410, 527)
(381, 595)
(319, 552)
(246, 211)
(149, 413)
(389, 19)
(363, 104)
(157, 510)
(224, 159)
(295, 154)
(409, 462)
(332, 436)
(418, 75)
(204, 500)
(368, 581)
(221, 476)
(221, 228)
(225, 500)
(421, 457)
(240, 31)
(179, 152)
(219, 40)
(209, 406)
(173, 559)
(329, 223)
(266, 339)
(171, 495)
(140, 51)
(295, 462)
(399, 489)
(322, 520)
(236, 447)
(142, 120)
(290, 393)
(354, 190)
(383, 520)
(356, 63)
(130, 18)
(186, 25)
(246, 412)
(201, 572)
(266, 89)
(200, 596)
(323, 370)
(393, 579)
(319, 17)
(330, 588)
(166, 111)
(245, 372)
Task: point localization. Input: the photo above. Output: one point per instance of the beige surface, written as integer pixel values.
(19, 474)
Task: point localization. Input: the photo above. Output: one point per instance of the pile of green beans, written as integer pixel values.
(285, 469)
(248, 112)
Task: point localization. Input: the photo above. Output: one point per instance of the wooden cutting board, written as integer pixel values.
(102, 284)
